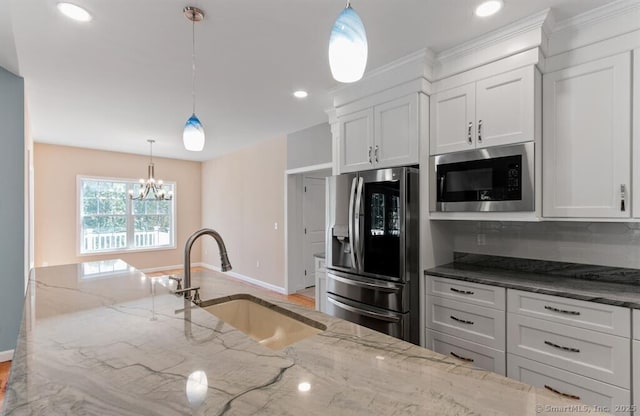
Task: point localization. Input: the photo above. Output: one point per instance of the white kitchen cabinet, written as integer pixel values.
(636, 361)
(569, 385)
(452, 120)
(321, 283)
(356, 141)
(490, 112)
(587, 140)
(636, 134)
(477, 355)
(396, 132)
(385, 135)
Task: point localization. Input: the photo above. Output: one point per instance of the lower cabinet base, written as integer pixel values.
(605, 397)
(479, 356)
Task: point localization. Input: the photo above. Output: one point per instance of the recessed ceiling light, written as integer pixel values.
(489, 8)
(300, 94)
(74, 12)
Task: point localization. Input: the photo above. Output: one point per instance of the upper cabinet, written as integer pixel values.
(381, 136)
(587, 140)
(490, 112)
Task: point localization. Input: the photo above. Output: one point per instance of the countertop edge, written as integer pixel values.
(562, 292)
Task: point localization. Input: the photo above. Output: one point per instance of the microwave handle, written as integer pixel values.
(352, 196)
(442, 179)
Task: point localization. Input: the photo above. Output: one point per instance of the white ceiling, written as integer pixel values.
(126, 76)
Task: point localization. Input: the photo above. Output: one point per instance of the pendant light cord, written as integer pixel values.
(193, 64)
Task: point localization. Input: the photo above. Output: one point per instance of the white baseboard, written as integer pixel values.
(6, 356)
(172, 267)
(247, 279)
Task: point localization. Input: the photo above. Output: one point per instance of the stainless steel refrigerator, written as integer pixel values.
(372, 250)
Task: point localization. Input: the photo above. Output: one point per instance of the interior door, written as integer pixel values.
(313, 220)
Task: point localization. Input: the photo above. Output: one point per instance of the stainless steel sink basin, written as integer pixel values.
(269, 324)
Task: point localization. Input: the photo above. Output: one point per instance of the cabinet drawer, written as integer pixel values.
(469, 352)
(593, 354)
(609, 319)
(636, 324)
(482, 325)
(478, 294)
(589, 391)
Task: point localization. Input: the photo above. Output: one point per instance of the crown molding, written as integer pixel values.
(519, 27)
(593, 16)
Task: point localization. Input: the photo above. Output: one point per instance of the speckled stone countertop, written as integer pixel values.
(613, 286)
(100, 343)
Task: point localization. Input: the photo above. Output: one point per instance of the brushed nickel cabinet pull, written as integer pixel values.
(567, 395)
(459, 357)
(462, 321)
(462, 292)
(551, 308)
(375, 152)
(560, 347)
(480, 131)
(369, 154)
(622, 197)
(469, 132)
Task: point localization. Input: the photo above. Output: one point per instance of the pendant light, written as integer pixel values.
(193, 134)
(151, 186)
(348, 48)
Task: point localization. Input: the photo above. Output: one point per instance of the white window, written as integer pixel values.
(110, 221)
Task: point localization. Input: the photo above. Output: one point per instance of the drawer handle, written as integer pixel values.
(463, 292)
(459, 357)
(551, 308)
(462, 321)
(567, 395)
(560, 347)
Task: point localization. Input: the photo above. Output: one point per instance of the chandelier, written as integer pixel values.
(151, 186)
(193, 134)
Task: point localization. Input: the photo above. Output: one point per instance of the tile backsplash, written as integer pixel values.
(609, 244)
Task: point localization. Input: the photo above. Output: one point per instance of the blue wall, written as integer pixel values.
(11, 207)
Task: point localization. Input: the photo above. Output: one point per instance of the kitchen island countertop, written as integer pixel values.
(118, 343)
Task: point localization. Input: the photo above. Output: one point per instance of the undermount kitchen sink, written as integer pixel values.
(270, 325)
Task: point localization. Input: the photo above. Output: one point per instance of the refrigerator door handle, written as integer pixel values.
(352, 196)
(364, 312)
(358, 247)
(368, 283)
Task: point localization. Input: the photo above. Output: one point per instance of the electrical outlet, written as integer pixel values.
(481, 239)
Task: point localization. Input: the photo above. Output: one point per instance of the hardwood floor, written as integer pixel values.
(295, 298)
(4, 376)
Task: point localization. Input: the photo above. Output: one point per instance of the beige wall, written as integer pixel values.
(56, 169)
(242, 198)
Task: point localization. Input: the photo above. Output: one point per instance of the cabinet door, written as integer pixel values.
(587, 140)
(636, 376)
(636, 135)
(396, 132)
(505, 107)
(356, 141)
(452, 120)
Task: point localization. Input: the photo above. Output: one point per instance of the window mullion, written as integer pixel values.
(130, 220)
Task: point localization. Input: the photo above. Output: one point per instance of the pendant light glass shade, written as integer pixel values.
(193, 134)
(348, 49)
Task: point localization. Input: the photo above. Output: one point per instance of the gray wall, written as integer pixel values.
(610, 244)
(11, 207)
(309, 147)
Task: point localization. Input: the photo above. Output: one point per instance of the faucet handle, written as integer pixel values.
(196, 297)
(177, 280)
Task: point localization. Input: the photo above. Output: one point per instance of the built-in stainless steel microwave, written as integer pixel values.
(490, 179)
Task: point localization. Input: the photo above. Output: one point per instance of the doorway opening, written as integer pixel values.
(305, 226)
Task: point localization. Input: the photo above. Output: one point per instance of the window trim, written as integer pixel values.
(79, 237)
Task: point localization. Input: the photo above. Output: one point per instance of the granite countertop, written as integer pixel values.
(95, 342)
(612, 286)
